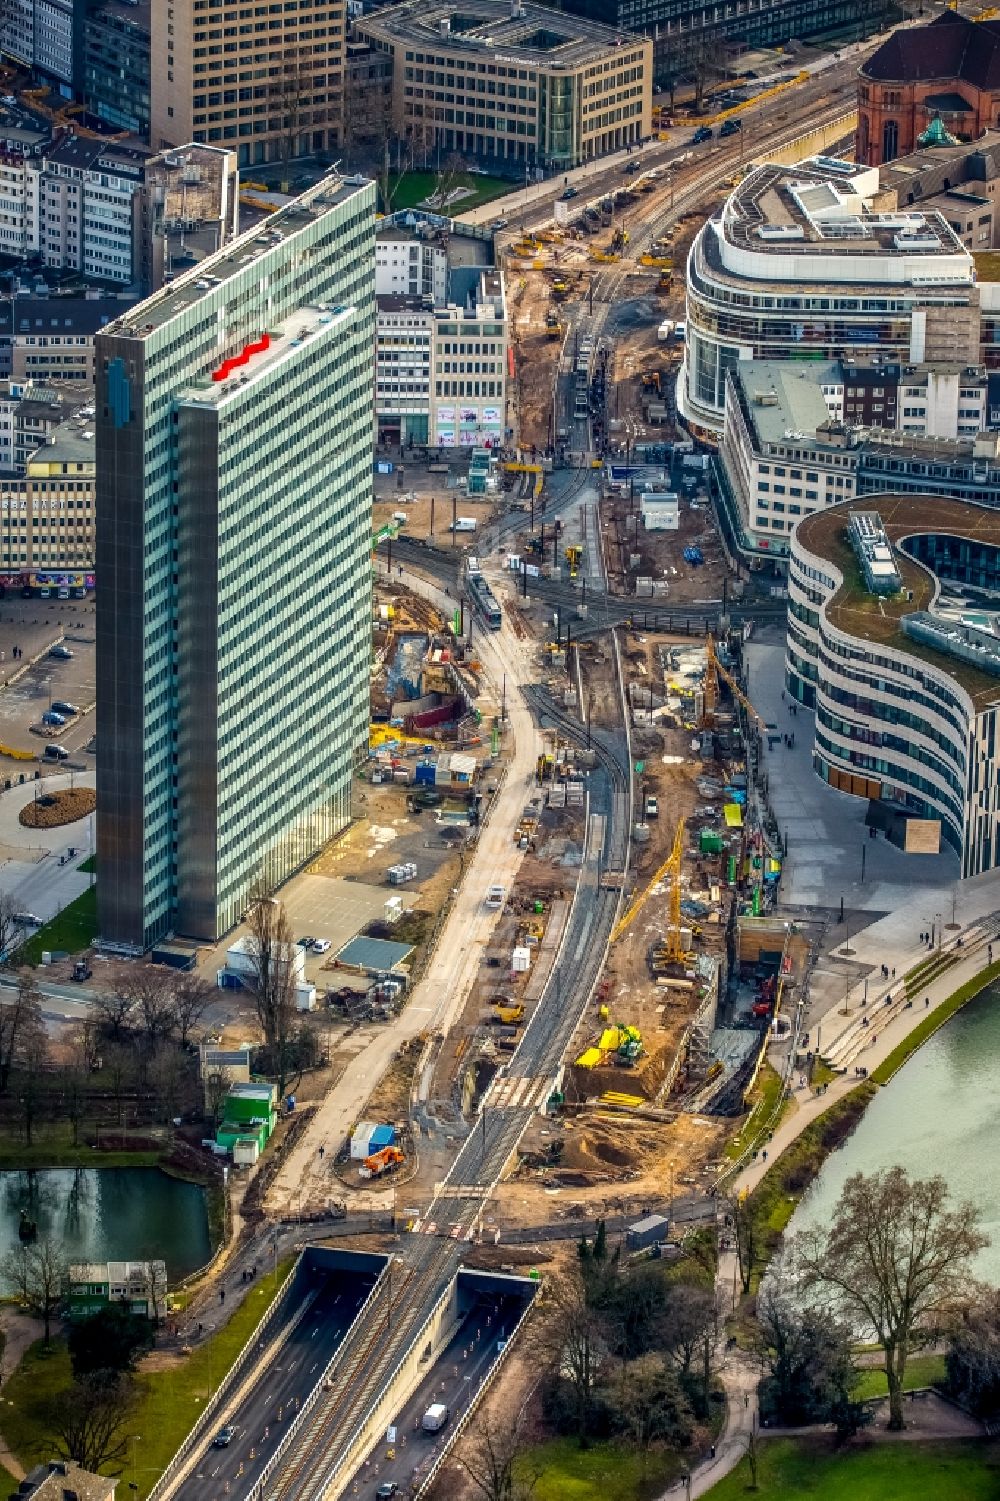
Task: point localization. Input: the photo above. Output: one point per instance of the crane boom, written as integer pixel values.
(715, 670)
(670, 867)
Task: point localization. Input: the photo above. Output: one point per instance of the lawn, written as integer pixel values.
(74, 929)
(758, 1122)
(929, 1025)
(411, 188)
(601, 1473)
(921, 1370)
(169, 1401)
(810, 1469)
(88, 866)
(52, 1146)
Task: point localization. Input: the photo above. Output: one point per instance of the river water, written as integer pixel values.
(114, 1214)
(940, 1114)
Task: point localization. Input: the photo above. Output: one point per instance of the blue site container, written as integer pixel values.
(382, 1136)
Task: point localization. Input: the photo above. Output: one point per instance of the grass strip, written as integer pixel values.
(790, 1469)
(932, 1021)
(601, 1472)
(921, 1371)
(74, 928)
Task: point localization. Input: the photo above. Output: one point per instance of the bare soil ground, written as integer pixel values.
(53, 809)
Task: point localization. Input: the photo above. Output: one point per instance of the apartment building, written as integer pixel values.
(41, 35)
(47, 513)
(234, 435)
(442, 338)
(52, 338)
(20, 161)
(807, 263)
(905, 687)
(512, 83)
(266, 81)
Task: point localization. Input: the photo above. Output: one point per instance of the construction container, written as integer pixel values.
(646, 1232)
(710, 842)
(383, 1136)
(520, 961)
(361, 1139)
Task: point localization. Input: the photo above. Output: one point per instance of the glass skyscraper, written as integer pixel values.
(234, 456)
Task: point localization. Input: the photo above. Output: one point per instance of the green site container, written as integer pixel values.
(731, 870)
(711, 842)
(539, 907)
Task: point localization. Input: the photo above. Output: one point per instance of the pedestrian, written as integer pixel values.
(200, 1328)
(893, 971)
(764, 1154)
(991, 953)
(222, 1294)
(746, 1399)
(927, 1002)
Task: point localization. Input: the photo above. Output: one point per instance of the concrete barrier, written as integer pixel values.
(814, 141)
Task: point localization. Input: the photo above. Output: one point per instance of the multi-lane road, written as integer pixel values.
(276, 1393)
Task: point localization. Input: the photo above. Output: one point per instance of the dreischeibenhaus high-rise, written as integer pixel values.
(234, 439)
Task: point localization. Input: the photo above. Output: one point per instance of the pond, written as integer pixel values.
(940, 1114)
(110, 1214)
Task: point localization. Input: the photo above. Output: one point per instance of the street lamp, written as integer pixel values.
(671, 1211)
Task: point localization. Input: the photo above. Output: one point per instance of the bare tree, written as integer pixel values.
(38, 1272)
(749, 1238)
(117, 1070)
(897, 1259)
(569, 1340)
(90, 1421)
(151, 991)
(217, 1084)
(74, 1095)
(116, 1010)
(17, 1018)
(290, 94)
(34, 1056)
(490, 1458)
(272, 983)
(165, 1072)
(10, 928)
(190, 997)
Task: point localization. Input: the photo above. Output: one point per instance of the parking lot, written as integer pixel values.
(31, 682)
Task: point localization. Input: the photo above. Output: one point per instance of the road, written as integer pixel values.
(441, 994)
(454, 1379)
(274, 1398)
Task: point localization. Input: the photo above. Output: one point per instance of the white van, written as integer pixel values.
(463, 524)
(495, 896)
(435, 1418)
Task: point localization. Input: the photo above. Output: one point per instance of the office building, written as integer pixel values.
(191, 208)
(799, 438)
(518, 83)
(47, 513)
(85, 209)
(140, 1285)
(115, 65)
(52, 338)
(802, 263)
(234, 443)
(40, 35)
(442, 338)
(943, 77)
(687, 32)
(904, 680)
(957, 180)
(270, 88)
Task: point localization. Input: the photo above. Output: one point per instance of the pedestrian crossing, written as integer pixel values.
(526, 1091)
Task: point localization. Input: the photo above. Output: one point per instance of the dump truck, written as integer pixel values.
(381, 1162)
(507, 1013)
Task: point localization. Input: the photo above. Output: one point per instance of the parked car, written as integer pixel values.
(306, 943)
(27, 920)
(321, 945)
(61, 706)
(652, 808)
(499, 224)
(51, 717)
(224, 1437)
(55, 753)
(731, 127)
(60, 651)
(703, 133)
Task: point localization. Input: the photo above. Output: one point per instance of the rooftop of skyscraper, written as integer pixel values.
(526, 33)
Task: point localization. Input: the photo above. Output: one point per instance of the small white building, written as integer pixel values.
(660, 511)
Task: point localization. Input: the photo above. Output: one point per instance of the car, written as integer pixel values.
(703, 133)
(306, 943)
(224, 1437)
(61, 706)
(500, 224)
(51, 717)
(568, 193)
(387, 1490)
(55, 753)
(652, 808)
(321, 945)
(633, 166)
(62, 653)
(27, 920)
(731, 127)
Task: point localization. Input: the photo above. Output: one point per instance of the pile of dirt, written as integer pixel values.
(50, 810)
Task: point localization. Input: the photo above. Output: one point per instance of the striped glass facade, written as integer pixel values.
(233, 567)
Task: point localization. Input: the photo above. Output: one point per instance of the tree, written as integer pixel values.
(112, 1340)
(10, 928)
(89, 1422)
(572, 1345)
(153, 1005)
(748, 1236)
(216, 1088)
(655, 1408)
(17, 1018)
(272, 981)
(74, 1096)
(973, 1357)
(687, 1320)
(190, 998)
(489, 1456)
(895, 1259)
(116, 1010)
(165, 1073)
(38, 1272)
(34, 1055)
(808, 1354)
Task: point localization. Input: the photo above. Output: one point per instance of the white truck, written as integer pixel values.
(435, 1418)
